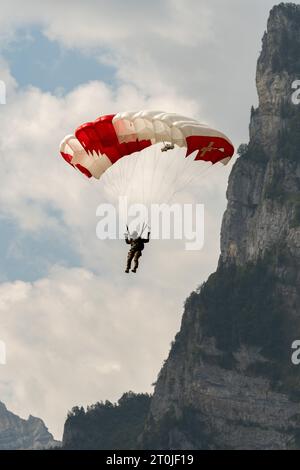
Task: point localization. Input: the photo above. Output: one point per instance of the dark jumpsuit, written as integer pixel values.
(135, 252)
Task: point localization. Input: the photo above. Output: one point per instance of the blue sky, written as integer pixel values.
(35, 60)
(24, 256)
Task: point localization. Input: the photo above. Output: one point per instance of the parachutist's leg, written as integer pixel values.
(137, 255)
(129, 259)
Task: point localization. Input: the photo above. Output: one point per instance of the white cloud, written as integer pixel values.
(99, 22)
(73, 324)
(203, 51)
(73, 338)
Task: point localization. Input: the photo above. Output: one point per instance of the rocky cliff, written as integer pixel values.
(21, 434)
(229, 381)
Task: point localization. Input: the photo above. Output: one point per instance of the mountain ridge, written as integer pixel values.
(19, 434)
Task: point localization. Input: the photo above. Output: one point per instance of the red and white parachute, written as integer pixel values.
(99, 144)
(148, 154)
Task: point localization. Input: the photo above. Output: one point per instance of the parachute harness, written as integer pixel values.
(142, 230)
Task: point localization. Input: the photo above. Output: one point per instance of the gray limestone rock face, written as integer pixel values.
(20, 434)
(228, 382)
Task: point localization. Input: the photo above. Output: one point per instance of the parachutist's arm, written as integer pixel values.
(127, 240)
(146, 240)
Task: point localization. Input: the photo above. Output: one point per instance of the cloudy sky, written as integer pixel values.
(77, 330)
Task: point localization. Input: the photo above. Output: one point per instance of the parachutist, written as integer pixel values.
(137, 245)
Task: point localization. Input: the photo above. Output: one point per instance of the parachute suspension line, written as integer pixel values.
(182, 168)
(162, 179)
(157, 157)
(147, 179)
(152, 162)
(179, 167)
(119, 175)
(195, 175)
(180, 188)
(126, 182)
(138, 182)
(143, 228)
(144, 183)
(189, 165)
(111, 183)
(185, 169)
(131, 180)
(143, 179)
(114, 178)
(129, 184)
(198, 174)
(126, 164)
(173, 164)
(156, 174)
(123, 173)
(123, 170)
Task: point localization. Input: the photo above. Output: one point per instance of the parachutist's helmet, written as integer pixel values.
(134, 235)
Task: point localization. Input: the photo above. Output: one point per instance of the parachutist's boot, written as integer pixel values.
(126, 270)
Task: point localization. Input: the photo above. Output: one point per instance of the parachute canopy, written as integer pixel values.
(98, 145)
